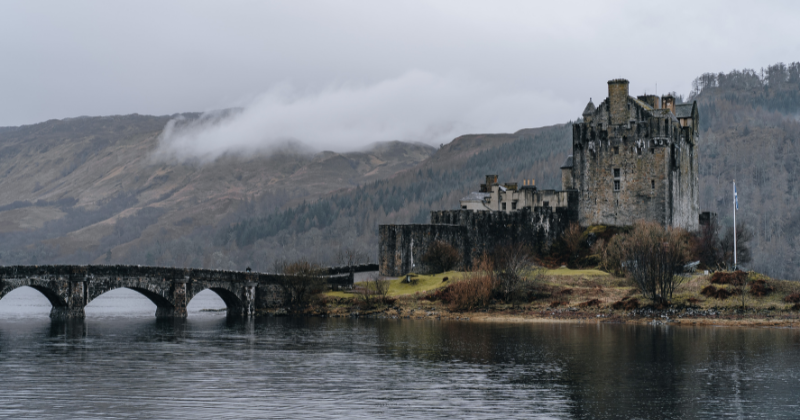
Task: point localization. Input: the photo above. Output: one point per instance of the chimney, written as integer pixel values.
(668, 102)
(651, 100)
(618, 101)
(490, 180)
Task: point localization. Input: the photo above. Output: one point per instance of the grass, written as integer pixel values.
(423, 283)
(563, 271)
(576, 287)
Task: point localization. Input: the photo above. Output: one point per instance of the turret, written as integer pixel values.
(588, 112)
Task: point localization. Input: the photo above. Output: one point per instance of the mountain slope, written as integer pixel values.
(75, 189)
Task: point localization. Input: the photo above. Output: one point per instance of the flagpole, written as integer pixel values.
(734, 224)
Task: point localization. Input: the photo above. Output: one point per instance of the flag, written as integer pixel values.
(735, 197)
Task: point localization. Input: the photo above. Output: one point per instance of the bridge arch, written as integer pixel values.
(159, 296)
(233, 302)
(50, 294)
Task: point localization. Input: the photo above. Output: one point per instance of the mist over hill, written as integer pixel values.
(89, 190)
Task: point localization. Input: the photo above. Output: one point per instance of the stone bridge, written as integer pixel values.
(69, 288)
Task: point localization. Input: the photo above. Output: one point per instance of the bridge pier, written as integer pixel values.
(178, 308)
(75, 300)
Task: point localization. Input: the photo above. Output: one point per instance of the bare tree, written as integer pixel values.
(302, 280)
(654, 256)
(381, 287)
(707, 245)
(514, 271)
(372, 290)
(350, 256)
(441, 257)
(572, 238)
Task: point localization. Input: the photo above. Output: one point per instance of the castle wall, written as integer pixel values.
(399, 244)
(472, 233)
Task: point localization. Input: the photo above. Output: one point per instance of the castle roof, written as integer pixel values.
(567, 163)
(641, 103)
(475, 197)
(684, 110)
(590, 108)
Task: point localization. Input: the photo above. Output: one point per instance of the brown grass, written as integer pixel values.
(735, 278)
(760, 288)
(626, 303)
(589, 303)
(792, 298)
(472, 292)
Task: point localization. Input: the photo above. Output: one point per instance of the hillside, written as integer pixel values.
(750, 124)
(90, 189)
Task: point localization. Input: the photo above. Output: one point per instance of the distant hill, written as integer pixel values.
(89, 190)
(750, 132)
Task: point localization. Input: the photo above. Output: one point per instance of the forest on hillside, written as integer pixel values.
(750, 132)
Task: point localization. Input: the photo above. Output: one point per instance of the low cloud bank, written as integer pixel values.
(415, 107)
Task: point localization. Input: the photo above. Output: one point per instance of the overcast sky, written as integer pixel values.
(336, 73)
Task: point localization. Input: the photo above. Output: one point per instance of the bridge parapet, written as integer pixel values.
(69, 288)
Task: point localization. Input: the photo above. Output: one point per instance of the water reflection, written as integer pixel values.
(212, 366)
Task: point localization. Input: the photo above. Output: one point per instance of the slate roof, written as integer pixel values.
(567, 163)
(476, 197)
(589, 110)
(684, 110)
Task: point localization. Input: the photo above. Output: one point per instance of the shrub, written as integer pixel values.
(760, 288)
(709, 291)
(441, 257)
(626, 303)
(654, 256)
(792, 298)
(573, 239)
(303, 280)
(373, 291)
(588, 303)
(514, 273)
(472, 292)
(735, 278)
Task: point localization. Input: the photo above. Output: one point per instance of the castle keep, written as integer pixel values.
(632, 159)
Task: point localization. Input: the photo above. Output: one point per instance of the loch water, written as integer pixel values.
(122, 363)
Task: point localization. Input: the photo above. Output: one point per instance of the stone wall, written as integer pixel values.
(472, 233)
(404, 245)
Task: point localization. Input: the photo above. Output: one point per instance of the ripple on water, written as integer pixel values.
(212, 367)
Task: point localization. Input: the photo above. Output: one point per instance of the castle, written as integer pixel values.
(632, 159)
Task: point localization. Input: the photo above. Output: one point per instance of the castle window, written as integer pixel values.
(616, 179)
(652, 184)
(639, 151)
(504, 206)
(616, 172)
(463, 207)
(616, 150)
(616, 185)
(514, 205)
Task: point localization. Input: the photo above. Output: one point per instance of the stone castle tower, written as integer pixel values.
(635, 159)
